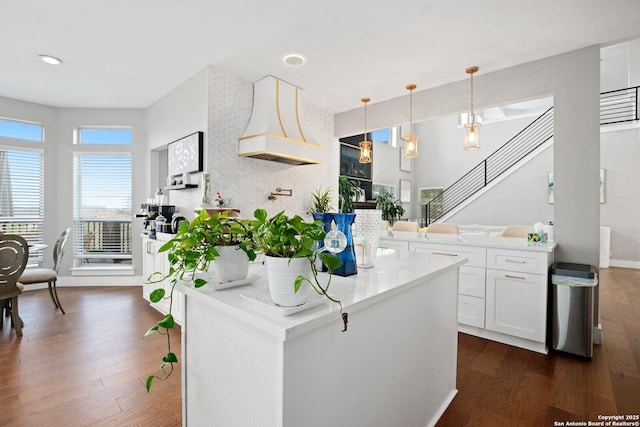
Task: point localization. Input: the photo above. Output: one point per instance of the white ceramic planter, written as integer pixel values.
(281, 276)
(367, 236)
(231, 265)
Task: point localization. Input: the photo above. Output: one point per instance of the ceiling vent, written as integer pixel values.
(275, 130)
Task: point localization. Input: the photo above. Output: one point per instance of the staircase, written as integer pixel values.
(617, 106)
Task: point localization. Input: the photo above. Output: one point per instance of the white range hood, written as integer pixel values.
(275, 130)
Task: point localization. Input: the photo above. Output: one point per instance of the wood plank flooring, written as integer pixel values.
(500, 385)
(88, 367)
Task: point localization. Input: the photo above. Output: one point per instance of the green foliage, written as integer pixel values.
(291, 237)
(349, 191)
(391, 208)
(321, 201)
(190, 251)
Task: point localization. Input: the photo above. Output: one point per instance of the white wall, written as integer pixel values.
(59, 124)
(220, 105)
(249, 181)
(620, 152)
(521, 200)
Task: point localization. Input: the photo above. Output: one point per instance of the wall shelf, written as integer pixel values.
(180, 186)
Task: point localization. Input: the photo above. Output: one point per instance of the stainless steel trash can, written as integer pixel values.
(572, 309)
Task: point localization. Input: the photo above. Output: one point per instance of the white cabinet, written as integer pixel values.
(152, 262)
(471, 278)
(517, 304)
(517, 285)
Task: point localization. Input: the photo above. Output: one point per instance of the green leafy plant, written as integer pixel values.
(348, 190)
(320, 201)
(191, 251)
(392, 209)
(291, 237)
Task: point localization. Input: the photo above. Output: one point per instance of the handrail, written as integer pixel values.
(616, 106)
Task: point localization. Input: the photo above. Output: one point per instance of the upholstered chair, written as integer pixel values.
(405, 226)
(49, 275)
(443, 228)
(517, 230)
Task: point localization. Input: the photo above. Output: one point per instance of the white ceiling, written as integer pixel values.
(128, 54)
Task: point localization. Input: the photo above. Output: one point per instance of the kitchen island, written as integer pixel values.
(246, 363)
(502, 289)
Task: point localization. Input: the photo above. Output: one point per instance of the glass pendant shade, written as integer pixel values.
(471, 136)
(365, 146)
(411, 145)
(365, 151)
(471, 129)
(411, 139)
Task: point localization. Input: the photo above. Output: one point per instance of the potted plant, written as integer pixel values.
(197, 244)
(290, 259)
(349, 190)
(320, 201)
(392, 209)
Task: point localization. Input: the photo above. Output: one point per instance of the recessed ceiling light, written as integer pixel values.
(294, 60)
(50, 59)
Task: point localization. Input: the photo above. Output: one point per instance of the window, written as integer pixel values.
(102, 208)
(109, 136)
(21, 130)
(21, 195)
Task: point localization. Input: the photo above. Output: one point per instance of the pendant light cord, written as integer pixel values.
(471, 114)
(411, 111)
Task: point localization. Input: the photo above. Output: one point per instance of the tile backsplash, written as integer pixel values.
(249, 181)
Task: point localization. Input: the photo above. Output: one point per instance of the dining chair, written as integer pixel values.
(14, 255)
(443, 228)
(517, 231)
(405, 226)
(32, 276)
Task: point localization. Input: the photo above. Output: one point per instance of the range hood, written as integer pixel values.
(275, 129)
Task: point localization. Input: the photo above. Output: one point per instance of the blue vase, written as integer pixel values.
(327, 219)
(348, 256)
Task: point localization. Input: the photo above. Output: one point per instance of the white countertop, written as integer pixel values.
(470, 239)
(393, 272)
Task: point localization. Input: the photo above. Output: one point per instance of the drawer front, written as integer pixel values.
(393, 244)
(476, 256)
(471, 281)
(471, 311)
(520, 261)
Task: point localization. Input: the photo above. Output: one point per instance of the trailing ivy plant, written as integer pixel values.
(191, 251)
(291, 237)
(392, 209)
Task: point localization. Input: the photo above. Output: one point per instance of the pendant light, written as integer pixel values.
(365, 145)
(410, 139)
(472, 128)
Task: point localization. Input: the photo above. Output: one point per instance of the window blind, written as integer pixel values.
(21, 195)
(102, 207)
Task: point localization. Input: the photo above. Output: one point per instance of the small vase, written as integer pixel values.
(348, 255)
(327, 219)
(367, 236)
(231, 265)
(281, 276)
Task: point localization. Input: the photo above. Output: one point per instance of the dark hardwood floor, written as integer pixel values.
(500, 385)
(88, 367)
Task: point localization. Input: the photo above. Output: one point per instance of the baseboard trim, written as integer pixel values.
(624, 263)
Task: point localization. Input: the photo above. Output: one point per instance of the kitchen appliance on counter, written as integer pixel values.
(150, 212)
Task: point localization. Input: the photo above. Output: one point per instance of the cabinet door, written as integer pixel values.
(516, 304)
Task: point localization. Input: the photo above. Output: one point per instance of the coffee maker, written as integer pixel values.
(150, 211)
